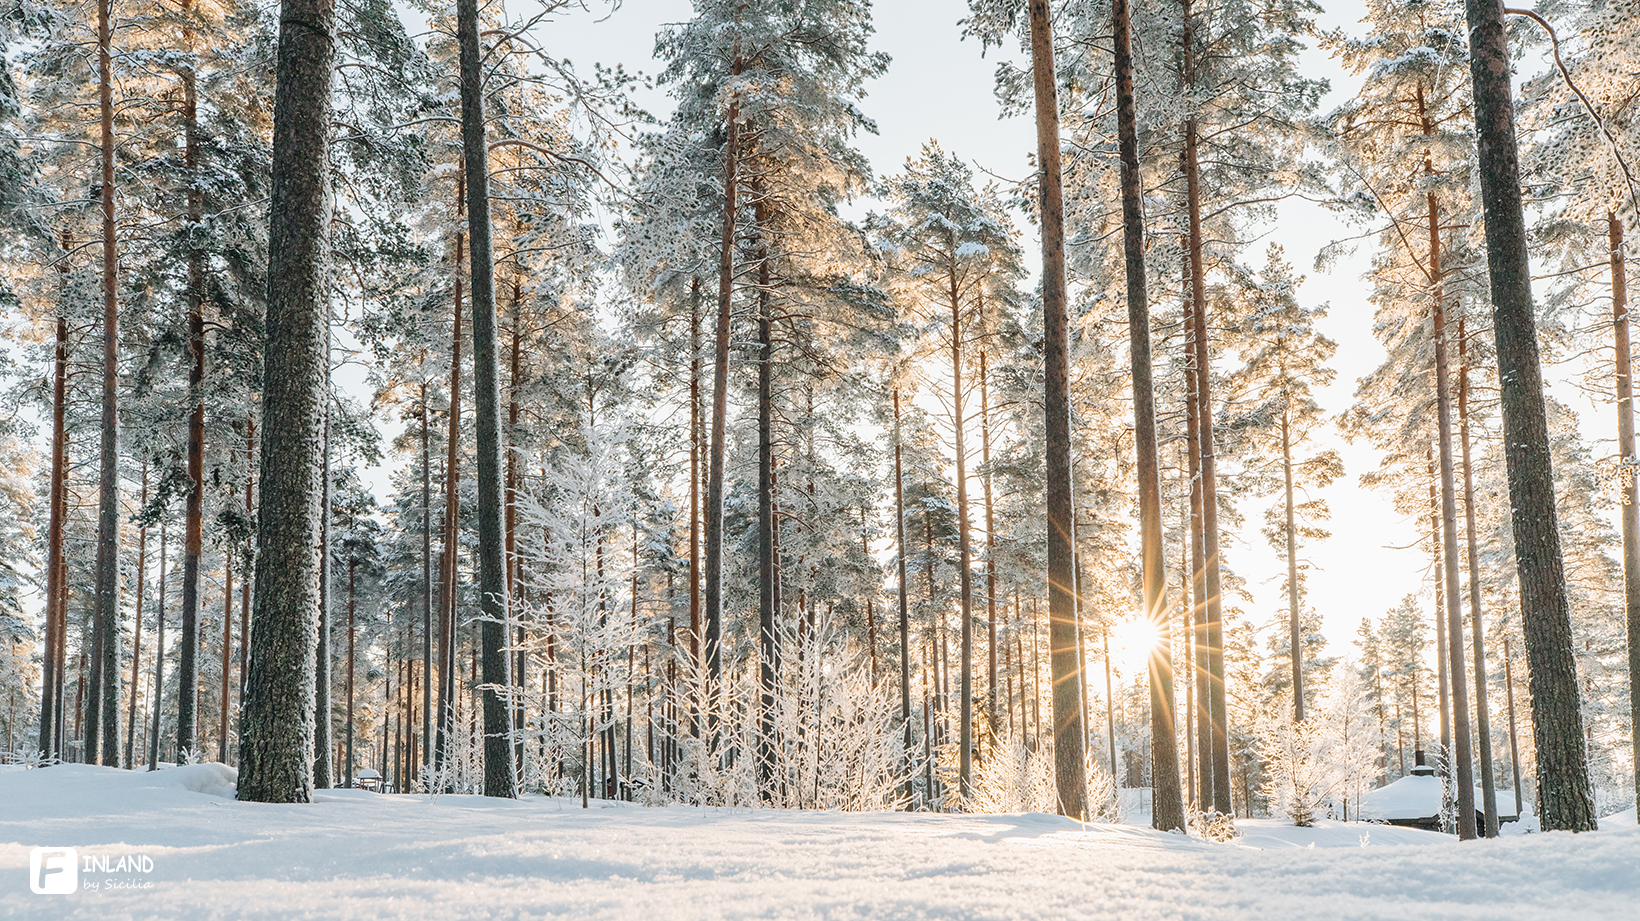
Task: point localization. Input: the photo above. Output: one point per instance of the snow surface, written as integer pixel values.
(355, 854)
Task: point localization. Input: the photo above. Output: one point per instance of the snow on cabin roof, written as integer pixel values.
(1411, 797)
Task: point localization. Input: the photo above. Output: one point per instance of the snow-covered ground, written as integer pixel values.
(193, 852)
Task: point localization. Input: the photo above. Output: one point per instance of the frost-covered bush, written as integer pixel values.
(1010, 777)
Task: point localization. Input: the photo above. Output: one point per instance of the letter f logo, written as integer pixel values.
(53, 870)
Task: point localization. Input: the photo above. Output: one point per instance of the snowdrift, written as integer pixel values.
(356, 854)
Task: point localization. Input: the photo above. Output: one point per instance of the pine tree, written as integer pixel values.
(1563, 779)
(1285, 357)
(277, 728)
(955, 247)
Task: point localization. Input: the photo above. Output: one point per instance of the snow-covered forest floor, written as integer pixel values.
(365, 855)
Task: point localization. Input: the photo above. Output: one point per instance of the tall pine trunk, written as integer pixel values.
(905, 607)
(193, 528)
(990, 550)
(1070, 777)
(51, 695)
(1625, 454)
(136, 633)
(245, 580)
(1208, 473)
(1565, 799)
(694, 471)
(1198, 556)
(1463, 756)
(965, 576)
(499, 779)
(1295, 643)
(768, 566)
(713, 614)
(426, 581)
(452, 499)
(1442, 661)
(277, 719)
(321, 674)
(102, 729)
(159, 653)
(1168, 806)
(1483, 716)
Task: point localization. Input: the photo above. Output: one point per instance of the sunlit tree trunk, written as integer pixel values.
(905, 608)
(452, 496)
(990, 551)
(1483, 718)
(51, 687)
(1167, 811)
(1207, 472)
(1069, 774)
(1625, 458)
(965, 576)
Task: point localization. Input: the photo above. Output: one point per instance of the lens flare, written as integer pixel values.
(1130, 644)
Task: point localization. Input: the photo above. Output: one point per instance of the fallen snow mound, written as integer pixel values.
(173, 844)
(211, 778)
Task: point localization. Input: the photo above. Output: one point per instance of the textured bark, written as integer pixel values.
(694, 470)
(1463, 756)
(321, 675)
(51, 693)
(1565, 800)
(1442, 661)
(1295, 645)
(426, 582)
(136, 633)
(347, 763)
(277, 719)
(499, 779)
(187, 668)
(452, 498)
(1207, 472)
(768, 566)
(102, 729)
(1198, 568)
(1168, 806)
(245, 580)
(965, 575)
(1514, 745)
(905, 608)
(1625, 453)
(1069, 774)
(1483, 716)
(713, 614)
(990, 551)
(227, 653)
(518, 679)
(159, 654)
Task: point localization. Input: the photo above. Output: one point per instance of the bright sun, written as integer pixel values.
(1130, 644)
